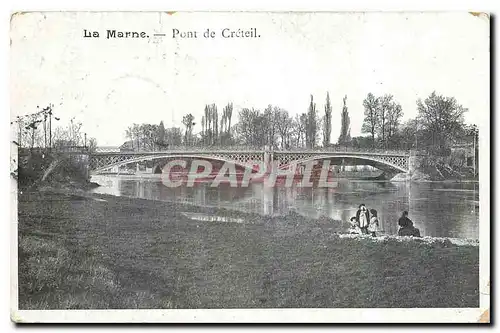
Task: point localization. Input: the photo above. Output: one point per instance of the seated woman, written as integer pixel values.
(406, 226)
(374, 225)
(354, 227)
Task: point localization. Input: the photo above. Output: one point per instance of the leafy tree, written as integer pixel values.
(133, 132)
(269, 125)
(92, 145)
(70, 135)
(250, 127)
(173, 136)
(188, 122)
(148, 137)
(407, 136)
(259, 129)
(210, 125)
(345, 129)
(311, 125)
(300, 124)
(389, 113)
(225, 128)
(149, 134)
(363, 142)
(441, 120)
(32, 134)
(129, 134)
(284, 126)
(327, 123)
(160, 134)
(383, 109)
(371, 105)
(393, 122)
(35, 130)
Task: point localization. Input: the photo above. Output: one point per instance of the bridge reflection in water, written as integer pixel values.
(442, 210)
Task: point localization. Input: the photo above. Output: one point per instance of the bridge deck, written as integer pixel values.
(208, 152)
(390, 160)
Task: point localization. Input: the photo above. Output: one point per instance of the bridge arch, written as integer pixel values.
(146, 157)
(379, 163)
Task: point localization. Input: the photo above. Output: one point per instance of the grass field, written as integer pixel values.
(112, 253)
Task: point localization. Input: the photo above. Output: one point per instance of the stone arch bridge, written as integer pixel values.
(390, 162)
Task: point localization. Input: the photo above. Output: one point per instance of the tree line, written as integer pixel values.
(36, 130)
(438, 125)
(273, 127)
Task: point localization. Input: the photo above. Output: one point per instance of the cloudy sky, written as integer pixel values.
(108, 84)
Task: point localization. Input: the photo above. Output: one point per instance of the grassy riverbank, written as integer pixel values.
(113, 252)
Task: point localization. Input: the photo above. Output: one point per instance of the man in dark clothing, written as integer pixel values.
(404, 221)
(407, 228)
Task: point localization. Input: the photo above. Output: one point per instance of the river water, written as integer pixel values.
(437, 209)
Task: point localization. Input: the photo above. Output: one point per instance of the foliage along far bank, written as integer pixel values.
(438, 130)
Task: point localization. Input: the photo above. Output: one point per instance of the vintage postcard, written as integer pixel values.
(250, 167)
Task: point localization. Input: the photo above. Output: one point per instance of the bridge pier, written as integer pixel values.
(387, 175)
(414, 161)
(268, 156)
(84, 158)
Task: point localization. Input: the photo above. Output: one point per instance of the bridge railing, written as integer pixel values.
(110, 149)
(55, 150)
(255, 149)
(346, 150)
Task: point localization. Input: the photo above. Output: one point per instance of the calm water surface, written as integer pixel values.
(437, 209)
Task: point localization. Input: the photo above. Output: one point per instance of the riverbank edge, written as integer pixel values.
(83, 256)
(419, 177)
(213, 210)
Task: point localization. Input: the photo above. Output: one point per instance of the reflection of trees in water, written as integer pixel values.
(204, 194)
(138, 188)
(391, 206)
(446, 209)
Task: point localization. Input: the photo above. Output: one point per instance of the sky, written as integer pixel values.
(108, 84)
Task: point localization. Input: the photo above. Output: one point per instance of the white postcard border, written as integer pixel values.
(368, 315)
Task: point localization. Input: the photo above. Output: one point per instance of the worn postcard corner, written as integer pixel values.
(481, 15)
(250, 166)
(485, 317)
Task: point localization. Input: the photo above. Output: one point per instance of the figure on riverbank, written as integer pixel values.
(406, 226)
(363, 218)
(374, 226)
(354, 228)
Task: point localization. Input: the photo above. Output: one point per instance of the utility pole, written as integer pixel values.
(19, 134)
(45, 130)
(50, 125)
(474, 148)
(33, 127)
(416, 134)
(474, 134)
